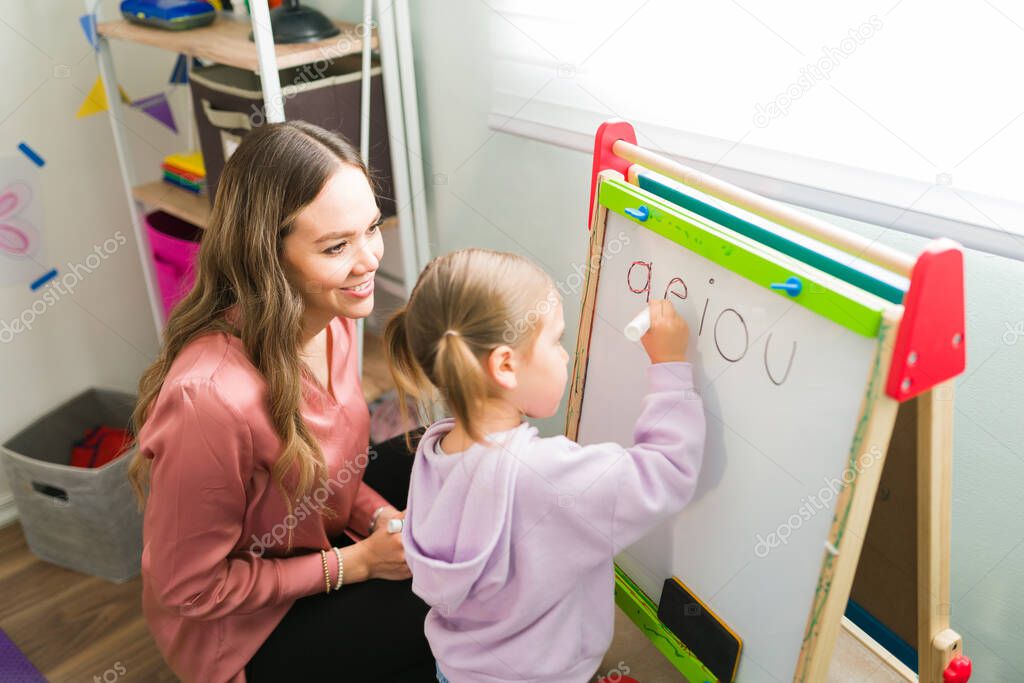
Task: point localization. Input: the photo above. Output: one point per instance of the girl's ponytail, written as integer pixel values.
(455, 366)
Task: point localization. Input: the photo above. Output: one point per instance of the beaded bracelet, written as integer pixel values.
(341, 569)
(327, 573)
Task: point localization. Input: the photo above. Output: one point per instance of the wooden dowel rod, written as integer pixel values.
(934, 530)
(863, 248)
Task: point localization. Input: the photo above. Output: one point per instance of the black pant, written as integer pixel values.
(366, 632)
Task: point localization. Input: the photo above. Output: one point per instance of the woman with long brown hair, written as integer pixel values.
(266, 549)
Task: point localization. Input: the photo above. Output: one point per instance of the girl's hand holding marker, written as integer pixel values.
(661, 330)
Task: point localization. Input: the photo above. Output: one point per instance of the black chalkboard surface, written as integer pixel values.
(700, 630)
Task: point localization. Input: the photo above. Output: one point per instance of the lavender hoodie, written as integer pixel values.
(512, 545)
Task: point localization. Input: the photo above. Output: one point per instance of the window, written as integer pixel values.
(902, 113)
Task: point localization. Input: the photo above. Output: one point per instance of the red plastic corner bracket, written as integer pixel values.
(958, 670)
(930, 345)
(608, 133)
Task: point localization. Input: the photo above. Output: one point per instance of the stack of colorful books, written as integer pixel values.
(186, 170)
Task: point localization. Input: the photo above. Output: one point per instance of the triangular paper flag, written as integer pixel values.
(95, 101)
(88, 22)
(157, 107)
(179, 76)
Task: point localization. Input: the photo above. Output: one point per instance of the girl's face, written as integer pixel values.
(543, 368)
(334, 249)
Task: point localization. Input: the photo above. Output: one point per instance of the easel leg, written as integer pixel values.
(937, 643)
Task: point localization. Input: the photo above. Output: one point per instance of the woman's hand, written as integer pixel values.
(386, 515)
(383, 552)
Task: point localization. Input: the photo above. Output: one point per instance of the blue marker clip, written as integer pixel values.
(641, 213)
(792, 286)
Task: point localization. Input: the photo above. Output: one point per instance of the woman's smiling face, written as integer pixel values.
(334, 248)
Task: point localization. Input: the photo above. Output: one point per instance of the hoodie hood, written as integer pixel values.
(462, 537)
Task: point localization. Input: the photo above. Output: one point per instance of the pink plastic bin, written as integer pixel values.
(174, 244)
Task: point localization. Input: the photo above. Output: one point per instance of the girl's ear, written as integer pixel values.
(501, 366)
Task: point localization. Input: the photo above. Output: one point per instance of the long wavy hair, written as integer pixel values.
(275, 172)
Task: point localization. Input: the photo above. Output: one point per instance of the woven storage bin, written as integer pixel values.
(82, 519)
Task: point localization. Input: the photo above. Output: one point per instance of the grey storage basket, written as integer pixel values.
(79, 518)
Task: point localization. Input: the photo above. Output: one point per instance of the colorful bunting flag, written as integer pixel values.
(96, 100)
(179, 76)
(159, 108)
(88, 23)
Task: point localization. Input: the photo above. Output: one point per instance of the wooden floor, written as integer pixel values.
(75, 627)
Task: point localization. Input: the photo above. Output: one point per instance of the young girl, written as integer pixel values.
(509, 536)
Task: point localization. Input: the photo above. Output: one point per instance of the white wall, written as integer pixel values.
(101, 334)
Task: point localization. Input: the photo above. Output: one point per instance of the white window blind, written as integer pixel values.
(905, 113)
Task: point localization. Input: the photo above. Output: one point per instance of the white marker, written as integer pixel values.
(638, 326)
(395, 525)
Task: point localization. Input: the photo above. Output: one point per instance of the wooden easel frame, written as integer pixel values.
(922, 348)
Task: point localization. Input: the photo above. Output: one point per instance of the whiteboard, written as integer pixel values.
(782, 389)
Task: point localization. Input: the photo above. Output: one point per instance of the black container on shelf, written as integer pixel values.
(228, 103)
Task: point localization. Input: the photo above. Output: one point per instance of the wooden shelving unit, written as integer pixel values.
(178, 202)
(226, 41)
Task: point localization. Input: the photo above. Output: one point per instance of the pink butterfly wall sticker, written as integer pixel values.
(18, 238)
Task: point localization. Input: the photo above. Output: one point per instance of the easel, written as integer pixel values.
(922, 350)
